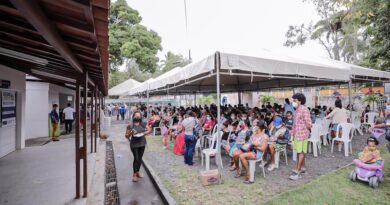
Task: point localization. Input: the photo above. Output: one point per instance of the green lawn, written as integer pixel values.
(337, 188)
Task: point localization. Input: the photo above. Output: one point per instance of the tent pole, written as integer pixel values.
(217, 67)
(350, 97)
(147, 103)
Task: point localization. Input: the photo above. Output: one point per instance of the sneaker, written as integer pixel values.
(271, 167)
(295, 177)
(303, 171)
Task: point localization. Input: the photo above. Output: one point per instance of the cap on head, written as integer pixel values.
(277, 121)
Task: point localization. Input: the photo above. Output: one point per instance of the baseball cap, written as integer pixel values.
(277, 121)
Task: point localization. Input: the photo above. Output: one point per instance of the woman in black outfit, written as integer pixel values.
(136, 134)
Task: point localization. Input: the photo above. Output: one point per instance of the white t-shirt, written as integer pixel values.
(68, 112)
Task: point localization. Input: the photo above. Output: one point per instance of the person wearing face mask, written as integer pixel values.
(385, 125)
(300, 132)
(55, 119)
(279, 138)
(190, 141)
(208, 125)
(289, 121)
(136, 133)
(233, 118)
(258, 143)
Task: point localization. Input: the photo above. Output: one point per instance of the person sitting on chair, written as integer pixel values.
(279, 135)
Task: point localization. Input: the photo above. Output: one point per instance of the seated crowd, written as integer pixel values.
(248, 133)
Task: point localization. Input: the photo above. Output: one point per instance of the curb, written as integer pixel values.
(164, 194)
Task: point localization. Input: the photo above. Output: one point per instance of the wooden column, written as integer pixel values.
(77, 139)
(97, 118)
(92, 116)
(84, 148)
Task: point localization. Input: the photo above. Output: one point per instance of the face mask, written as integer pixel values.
(279, 126)
(243, 118)
(208, 118)
(137, 119)
(233, 117)
(294, 104)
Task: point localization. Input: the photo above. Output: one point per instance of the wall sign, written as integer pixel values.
(8, 108)
(5, 83)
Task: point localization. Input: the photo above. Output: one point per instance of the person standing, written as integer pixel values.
(288, 106)
(189, 138)
(382, 100)
(68, 118)
(54, 118)
(122, 111)
(300, 132)
(136, 133)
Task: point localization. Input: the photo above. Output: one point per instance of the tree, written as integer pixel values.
(171, 61)
(337, 31)
(206, 100)
(266, 99)
(376, 19)
(131, 40)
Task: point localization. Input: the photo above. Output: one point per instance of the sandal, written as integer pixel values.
(248, 182)
(237, 175)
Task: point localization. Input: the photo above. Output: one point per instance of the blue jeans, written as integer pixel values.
(189, 149)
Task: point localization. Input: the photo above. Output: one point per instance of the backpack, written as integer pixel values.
(197, 130)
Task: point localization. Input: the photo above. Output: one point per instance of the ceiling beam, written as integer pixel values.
(34, 14)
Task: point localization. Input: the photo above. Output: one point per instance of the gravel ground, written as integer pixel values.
(182, 181)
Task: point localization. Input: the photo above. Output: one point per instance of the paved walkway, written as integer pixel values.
(41, 175)
(142, 192)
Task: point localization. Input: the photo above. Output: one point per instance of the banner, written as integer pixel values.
(8, 108)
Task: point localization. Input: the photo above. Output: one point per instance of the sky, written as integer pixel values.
(234, 26)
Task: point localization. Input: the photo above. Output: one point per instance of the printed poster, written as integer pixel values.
(8, 108)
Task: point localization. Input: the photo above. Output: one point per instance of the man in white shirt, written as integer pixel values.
(68, 118)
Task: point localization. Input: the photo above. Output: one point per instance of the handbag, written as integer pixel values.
(247, 147)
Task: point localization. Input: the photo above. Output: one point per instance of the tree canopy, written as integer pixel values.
(354, 31)
(131, 40)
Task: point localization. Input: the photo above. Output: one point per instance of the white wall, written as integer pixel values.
(14, 136)
(37, 109)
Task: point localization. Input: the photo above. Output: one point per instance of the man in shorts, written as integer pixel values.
(300, 133)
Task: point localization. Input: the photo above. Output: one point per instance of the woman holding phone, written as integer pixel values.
(136, 133)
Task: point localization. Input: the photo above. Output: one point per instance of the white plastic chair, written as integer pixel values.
(369, 119)
(159, 128)
(277, 156)
(324, 131)
(212, 132)
(212, 150)
(315, 139)
(252, 168)
(357, 123)
(346, 137)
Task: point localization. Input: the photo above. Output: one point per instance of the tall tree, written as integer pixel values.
(131, 40)
(376, 20)
(169, 62)
(337, 31)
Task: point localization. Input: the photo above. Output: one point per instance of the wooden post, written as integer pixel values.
(97, 119)
(91, 117)
(84, 148)
(77, 139)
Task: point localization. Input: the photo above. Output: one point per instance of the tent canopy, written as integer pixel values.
(123, 87)
(245, 73)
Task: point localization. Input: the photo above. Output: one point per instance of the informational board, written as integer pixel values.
(8, 108)
(387, 88)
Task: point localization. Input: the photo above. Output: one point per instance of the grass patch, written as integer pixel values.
(337, 188)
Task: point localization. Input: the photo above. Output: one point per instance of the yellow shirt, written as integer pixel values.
(367, 154)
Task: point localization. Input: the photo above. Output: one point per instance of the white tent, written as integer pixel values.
(268, 70)
(223, 72)
(123, 87)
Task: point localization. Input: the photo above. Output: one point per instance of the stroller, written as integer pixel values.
(371, 173)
